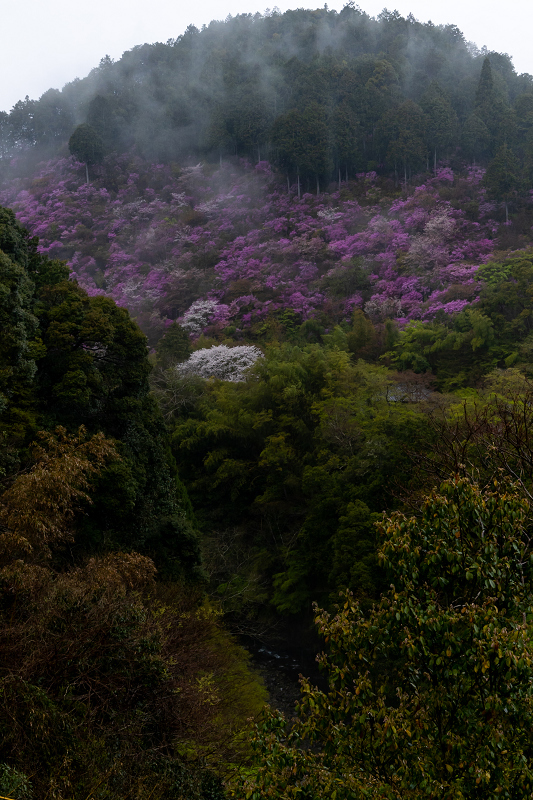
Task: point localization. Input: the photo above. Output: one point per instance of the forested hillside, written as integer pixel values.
(314, 91)
(266, 299)
(101, 665)
(157, 241)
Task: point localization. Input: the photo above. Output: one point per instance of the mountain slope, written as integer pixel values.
(157, 239)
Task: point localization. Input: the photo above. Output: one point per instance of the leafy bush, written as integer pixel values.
(430, 694)
(14, 784)
(108, 681)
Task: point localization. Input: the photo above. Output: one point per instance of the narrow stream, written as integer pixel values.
(281, 668)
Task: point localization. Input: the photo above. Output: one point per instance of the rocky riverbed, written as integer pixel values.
(281, 668)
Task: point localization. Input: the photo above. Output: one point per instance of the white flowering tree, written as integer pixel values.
(221, 361)
(381, 308)
(198, 315)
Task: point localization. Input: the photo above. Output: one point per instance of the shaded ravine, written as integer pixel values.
(281, 667)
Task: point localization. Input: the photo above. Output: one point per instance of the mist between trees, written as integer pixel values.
(322, 94)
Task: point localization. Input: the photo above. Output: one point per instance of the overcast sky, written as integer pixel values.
(47, 43)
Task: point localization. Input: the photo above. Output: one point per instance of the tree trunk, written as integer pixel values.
(288, 185)
(87, 172)
(317, 186)
(339, 179)
(299, 195)
(435, 161)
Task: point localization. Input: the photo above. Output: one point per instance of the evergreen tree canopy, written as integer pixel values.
(502, 178)
(173, 347)
(69, 359)
(231, 88)
(86, 145)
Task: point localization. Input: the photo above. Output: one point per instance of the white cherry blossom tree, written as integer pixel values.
(221, 361)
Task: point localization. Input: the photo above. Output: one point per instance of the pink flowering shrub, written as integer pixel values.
(231, 247)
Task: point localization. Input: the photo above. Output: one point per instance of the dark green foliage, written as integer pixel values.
(21, 269)
(502, 178)
(475, 139)
(458, 353)
(346, 133)
(17, 327)
(494, 333)
(19, 342)
(95, 372)
(95, 354)
(22, 122)
(111, 686)
(299, 457)
(46, 122)
(402, 132)
(240, 124)
(53, 119)
(430, 693)
(173, 347)
(362, 336)
(440, 121)
(102, 118)
(14, 783)
(492, 108)
(86, 145)
(68, 359)
(485, 93)
(354, 562)
(301, 141)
